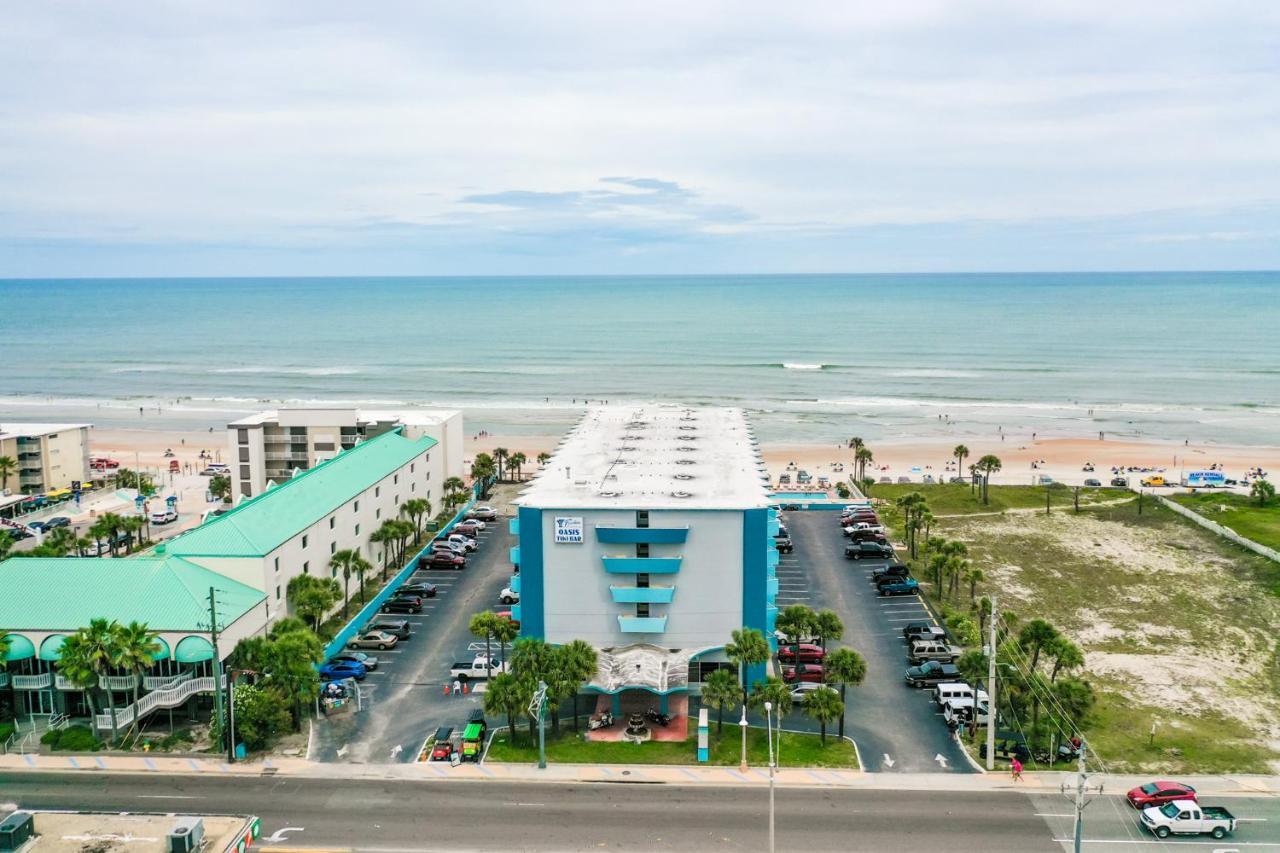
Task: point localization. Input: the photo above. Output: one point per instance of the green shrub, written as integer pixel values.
(261, 716)
(6, 731)
(50, 738)
(74, 739)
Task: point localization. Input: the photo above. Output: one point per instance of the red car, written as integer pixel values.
(810, 672)
(1158, 793)
(466, 528)
(809, 653)
(445, 560)
(506, 614)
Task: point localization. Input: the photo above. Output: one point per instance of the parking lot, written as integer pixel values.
(404, 701)
(897, 728)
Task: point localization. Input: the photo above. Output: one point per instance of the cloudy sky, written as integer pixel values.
(239, 138)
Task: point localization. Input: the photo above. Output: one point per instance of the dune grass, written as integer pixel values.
(1238, 512)
(955, 499)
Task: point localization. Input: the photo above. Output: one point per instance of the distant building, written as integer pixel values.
(49, 456)
(270, 446)
(649, 535)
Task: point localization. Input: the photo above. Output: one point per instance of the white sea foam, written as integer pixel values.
(292, 371)
(801, 366)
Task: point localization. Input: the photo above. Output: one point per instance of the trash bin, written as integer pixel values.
(241, 752)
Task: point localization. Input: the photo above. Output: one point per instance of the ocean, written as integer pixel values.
(813, 358)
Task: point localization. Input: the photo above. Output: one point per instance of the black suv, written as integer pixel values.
(1120, 482)
(895, 571)
(783, 543)
(397, 627)
(869, 551)
(864, 535)
(402, 604)
(417, 589)
(922, 631)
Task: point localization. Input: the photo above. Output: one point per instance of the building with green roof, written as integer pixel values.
(246, 555)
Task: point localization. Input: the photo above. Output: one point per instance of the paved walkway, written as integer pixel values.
(1216, 786)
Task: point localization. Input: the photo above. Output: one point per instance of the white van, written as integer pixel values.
(952, 690)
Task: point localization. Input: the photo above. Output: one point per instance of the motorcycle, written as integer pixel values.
(657, 717)
(605, 721)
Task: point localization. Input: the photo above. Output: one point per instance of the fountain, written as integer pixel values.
(637, 731)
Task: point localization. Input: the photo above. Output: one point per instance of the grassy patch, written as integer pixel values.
(72, 739)
(1238, 512)
(955, 499)
(6, 730)
(798, 750)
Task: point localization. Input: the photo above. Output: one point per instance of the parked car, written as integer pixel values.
(1120, 482)
(1158, 793)
(341, 670)
(810, 672)
(896, 570)
(1188, 817)
(468, 528)
(418, 588)
(467, 543)
(783, 543)
(868, 536)
(398, 628)
(508, 596)
(798, 691)
(506, 614)
(958, 481)
(868, 551)
(924, 631)
(446, 560)
(164, 515)
(930, 673)
(449, 547)
(442, 748)
(477, 668)
(473, 522)
(483, 513)
(36, 526)
(923, 650)
(401, 604)
(1093, 483)
(56, 522)
(809, 653)
(885, 580)
(906, 586)
(374, 640)
(368, 661)
(1153, 480)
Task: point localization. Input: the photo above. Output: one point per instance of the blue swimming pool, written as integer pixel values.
(801, 496)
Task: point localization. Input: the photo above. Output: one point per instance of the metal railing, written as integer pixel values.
(118, 682)
(164, 682)
(32, 682)
(158, 699)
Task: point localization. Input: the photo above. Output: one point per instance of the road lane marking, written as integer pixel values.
(167, 797)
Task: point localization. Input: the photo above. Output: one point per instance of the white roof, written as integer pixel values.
(642, 665)
(416, 417)
(654, 456)
(11, 430)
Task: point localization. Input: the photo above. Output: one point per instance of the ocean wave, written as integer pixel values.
(292, 371)
(934, 373)
(800, 366)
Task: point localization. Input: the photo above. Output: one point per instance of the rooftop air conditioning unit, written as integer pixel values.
(16, 829)
(186, 835)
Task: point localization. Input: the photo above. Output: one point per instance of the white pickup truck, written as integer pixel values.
(476, 669)
(1187, 817)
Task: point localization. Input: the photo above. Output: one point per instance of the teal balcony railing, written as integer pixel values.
(771, 589)
(515, 555)
(642, 594)
(515, 612)
(774, 527)
(513, 526)
(514, 584)
(771, 557)
(635, 535)
(641, 565)
(642, 624)
(771, 619)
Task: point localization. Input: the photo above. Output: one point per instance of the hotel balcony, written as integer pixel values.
(642, 594)
(513, 526)
(637, 535)
(774, 526)
(642, 624)
(4, 678)
(772, 557)
(285, 456)
(33, 682)
(515, 613)
(771, 589)
(770, 619)
(515, 555)
(641, 565)
(514, 584)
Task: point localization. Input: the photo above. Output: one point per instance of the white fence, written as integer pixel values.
(1224, 532)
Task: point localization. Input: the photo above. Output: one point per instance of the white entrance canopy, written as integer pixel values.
(641, 666)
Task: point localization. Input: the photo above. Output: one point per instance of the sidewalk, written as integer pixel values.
(1215, 786)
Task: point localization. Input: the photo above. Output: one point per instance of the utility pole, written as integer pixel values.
(992, 712)
(768, 731)
(537, 705)
(217, 664)
(1078, 793)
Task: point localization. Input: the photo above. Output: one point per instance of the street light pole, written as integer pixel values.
(768, 723)
(742, 767)
(992, 713)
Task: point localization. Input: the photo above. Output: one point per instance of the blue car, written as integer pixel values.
(903, 587)
(339, 670)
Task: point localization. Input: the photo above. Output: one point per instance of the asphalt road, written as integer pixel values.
(387, 817)
(404, 700)
(897, 728)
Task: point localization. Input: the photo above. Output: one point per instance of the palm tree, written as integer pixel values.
(6, 543)
(360, 565)
(1066, 656)
(61, 540)
(1263, 491)
(482, 469)
(500, 455)
(136, 650)
(543, 458)
(5, 642)
(94, 655)
(867, 483)
(576, 662)
(974, 576)
(856, 444)
(748, 648)
(404, 531)
(7, 467)
(112, 524)
(505, 694)
(862, 458)
(75, 665)
(452, 488)
(795, 622)
(417, 509)
(312, 597)
(827, 626)
(382, 538)
(960, 453)
(824, 705)
(344, 561)
(721, 691)
(987, 465)
(516, 461)
(1035, 637)
(83, 544)
(774, 690)
(481, 627)
(844, 667)
(505, 631)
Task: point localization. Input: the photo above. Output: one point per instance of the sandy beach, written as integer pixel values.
(1060, 458)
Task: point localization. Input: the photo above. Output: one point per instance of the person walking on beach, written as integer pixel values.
(1016, 766)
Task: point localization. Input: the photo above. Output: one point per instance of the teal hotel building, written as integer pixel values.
(649, 534)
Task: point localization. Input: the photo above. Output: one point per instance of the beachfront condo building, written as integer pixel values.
(271, 446)
(48, 456)
(649, 534)
(248, 555)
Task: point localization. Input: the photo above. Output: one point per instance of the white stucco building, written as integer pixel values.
(48, 456)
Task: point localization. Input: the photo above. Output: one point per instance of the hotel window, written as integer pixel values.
(333, 571)
(642, 580)
(277, 563)
(357, 507)
(304, 540)
(397, 500)
(306, 568)
(333, 547)
(412, 467)
(331, 522)
(377, 513)
(642, 549)
(357, 530)
(413, 487)
(377, 491)
(642, 518)
(242, 436)
(244, 454)
(396, 480)
(642, 610)
(244, 472)
(277, 592)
